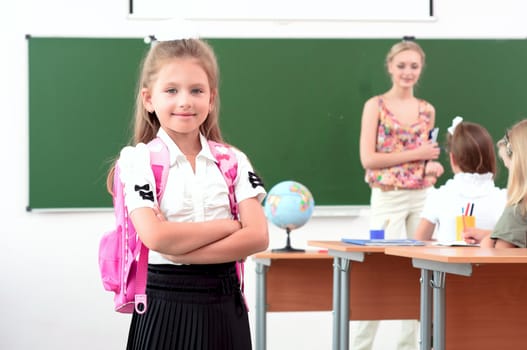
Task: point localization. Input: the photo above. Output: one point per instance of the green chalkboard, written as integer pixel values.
(293, 105)
(81, 96)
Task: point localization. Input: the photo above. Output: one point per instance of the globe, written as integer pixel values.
(289, 205)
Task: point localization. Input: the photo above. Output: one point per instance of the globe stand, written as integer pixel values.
(287, 247)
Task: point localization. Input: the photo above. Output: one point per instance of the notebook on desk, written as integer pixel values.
(383, 242)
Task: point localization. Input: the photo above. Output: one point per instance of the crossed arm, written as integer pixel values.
(214, 241)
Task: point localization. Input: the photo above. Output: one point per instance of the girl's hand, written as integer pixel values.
(473, 235)
(174, 258)
(434, 168)
(159, 214)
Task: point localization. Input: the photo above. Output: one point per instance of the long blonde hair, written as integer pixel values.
(517, 183)
(146, 124)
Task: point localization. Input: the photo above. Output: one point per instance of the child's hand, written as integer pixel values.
(433, 170)
(473, 235)
(136, 175)
(174, 258)
(159, 214)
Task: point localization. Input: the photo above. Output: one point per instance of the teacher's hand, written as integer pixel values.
(428, 150)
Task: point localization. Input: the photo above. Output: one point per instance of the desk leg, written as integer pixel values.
(261, 307)
(344, 304)
(426, 311)
(336, 303)
(438, 284)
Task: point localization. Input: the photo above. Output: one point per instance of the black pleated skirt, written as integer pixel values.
(192, 307)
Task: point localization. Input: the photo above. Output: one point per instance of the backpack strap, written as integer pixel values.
(140, 281)
(228, 164)
(160, 163)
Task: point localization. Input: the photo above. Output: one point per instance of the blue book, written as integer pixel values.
(383, 242)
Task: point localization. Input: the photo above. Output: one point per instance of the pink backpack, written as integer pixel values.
(123, 259)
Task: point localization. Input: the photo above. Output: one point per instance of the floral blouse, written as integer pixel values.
(392, 136)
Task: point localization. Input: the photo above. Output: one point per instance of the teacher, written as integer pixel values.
(394, 150)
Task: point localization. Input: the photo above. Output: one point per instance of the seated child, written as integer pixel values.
(473, 162)
(511, 229)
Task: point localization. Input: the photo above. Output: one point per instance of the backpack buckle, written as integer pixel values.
(140, 303)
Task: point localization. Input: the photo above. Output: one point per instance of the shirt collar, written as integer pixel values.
(174, 151)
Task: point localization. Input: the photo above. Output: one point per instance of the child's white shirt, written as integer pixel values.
(443, 204)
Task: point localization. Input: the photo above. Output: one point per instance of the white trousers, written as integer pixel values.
(363, 334)
(402, 210)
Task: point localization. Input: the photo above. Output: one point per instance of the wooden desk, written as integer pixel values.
(486, 311)
(382, 287)
(296, 282)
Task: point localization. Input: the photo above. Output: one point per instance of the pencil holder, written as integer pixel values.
(463, 222)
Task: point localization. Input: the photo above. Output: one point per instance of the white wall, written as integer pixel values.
(50, 295)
